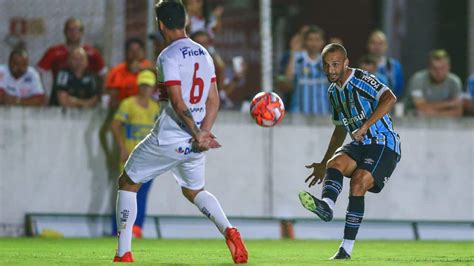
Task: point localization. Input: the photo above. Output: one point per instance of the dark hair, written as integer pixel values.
(171, 13)
(198, 33)
(70, 20)
(205, 11)
(18, 51)
(314, 29)
(133, 40)
(333, 47)
(367, 59)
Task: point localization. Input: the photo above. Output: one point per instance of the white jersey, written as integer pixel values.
(186, 63)
(25, 86)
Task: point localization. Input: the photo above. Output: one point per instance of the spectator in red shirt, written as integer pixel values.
(56, 57)
(122, 79)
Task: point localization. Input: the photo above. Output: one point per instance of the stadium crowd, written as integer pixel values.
(82, 80)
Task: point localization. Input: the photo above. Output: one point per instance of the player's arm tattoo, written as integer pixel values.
(188, 114)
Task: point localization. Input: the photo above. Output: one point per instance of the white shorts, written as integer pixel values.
(149, 160)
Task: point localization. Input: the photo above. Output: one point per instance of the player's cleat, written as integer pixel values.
(341, 255)
(236, 245)
(320, 207)
(137, 231)
(127, 257)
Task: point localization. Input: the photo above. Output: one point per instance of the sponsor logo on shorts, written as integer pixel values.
(369, 161)
(385, 179)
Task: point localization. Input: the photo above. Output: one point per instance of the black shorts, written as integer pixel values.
(377, 159)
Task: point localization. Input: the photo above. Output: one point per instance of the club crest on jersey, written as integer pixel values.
(188, 52)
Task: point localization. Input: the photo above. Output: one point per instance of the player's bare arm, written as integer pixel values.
(319, 169)
(200, 137)
(386, 102)
(116, 128)
(182, 110)
(212, 106)
(443, 108)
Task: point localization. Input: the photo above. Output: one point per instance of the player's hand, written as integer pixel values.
(205, 140)
(319, 169)
(358, 134)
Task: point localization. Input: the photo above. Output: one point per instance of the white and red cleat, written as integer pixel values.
(127, 257)
(236, 245)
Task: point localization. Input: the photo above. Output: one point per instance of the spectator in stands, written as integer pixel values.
(389, 67)
(309, 91)
(56, 57)
(134, 119)
(76, 87)
(336, 39)
(199, 18)
(20, 84)
(122, 79)
(468, 103)
(369, 63)
(436, 92)
(283, 85)
(227, 81)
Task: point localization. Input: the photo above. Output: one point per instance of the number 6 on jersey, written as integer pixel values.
(199, 83)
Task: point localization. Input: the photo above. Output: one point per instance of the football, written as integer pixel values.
(267, 109)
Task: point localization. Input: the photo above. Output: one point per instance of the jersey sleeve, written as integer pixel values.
(122, 112)
(456, 89)
(46, 62)
(415, 86)
(213, 68)
(170, 70)
(112, 80)
(37, 85)
(96, 63)
(370, 87)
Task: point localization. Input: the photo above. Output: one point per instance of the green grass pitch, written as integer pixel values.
(40, 251)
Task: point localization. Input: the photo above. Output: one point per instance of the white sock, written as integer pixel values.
(209, 206)
(126, 214)
(330, 202)
(348, 245)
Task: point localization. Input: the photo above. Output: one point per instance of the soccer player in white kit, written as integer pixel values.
(180, 135)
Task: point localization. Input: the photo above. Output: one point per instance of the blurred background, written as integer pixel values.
(59, 159)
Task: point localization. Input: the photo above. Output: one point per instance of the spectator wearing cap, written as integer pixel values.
(133, 120)
(436, 92)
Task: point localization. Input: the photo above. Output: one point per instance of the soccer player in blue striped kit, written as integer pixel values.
(360, 106)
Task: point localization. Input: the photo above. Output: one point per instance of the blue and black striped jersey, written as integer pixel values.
(355, 102)
(309, 87)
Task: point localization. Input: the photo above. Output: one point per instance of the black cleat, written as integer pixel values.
(341, 255)
(319, 207)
